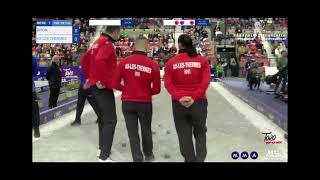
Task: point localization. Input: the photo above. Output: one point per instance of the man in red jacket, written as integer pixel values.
(187, 77)
(141, 78)
(99, 64)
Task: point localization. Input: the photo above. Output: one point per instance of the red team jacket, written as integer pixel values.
(187, 76)
(101, 57)
(138, 73)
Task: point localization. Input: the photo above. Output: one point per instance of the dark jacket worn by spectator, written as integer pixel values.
(54, 76)
(34, 72)
(35, 106)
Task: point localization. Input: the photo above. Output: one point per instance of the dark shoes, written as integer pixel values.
(149, 158)
(36, 133)
(76, 123)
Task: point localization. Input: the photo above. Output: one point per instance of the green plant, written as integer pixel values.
(72, 85)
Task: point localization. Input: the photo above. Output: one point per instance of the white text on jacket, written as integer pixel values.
(138, 67)
(186, 65)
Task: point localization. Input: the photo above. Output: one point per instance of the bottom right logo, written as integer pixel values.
(273, 155)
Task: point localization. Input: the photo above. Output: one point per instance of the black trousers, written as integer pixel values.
(84, 94)
(257, 82)
(254, 81)
(35, 112)
(132, 112)
(107, 117)
(191, 120)
(54, 94)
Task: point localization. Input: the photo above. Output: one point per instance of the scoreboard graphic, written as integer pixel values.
(57, 31)
(132, 22)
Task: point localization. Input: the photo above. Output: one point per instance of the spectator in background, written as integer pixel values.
(173, 49)
(225, 66)
(52, 52)
(34, 49)
(166, 49)
(204, 34)
(219, 70)
(212, 71)
(238, 29)
(256, 75)
(250, 45)
(219, 35)
(54, 77)
(69, 58)
(252, 69)
(118, 51)
(282, 66)
(258, 43)
(247, 69)
(233, 67)
(74, 55)
(242, 50)
(35, 106)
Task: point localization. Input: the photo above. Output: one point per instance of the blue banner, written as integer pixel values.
(61, 22)
(54, 23)
(76, 30)
(70, 72)
(202, 22)
(76, 35)
(43, 23)
(67, 73)
(128, 22)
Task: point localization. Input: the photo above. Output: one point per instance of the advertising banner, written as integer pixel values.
(68, 73)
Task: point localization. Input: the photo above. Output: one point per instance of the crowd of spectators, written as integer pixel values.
(161, 45)
(273, 24)
(199, 35)
(240, 24)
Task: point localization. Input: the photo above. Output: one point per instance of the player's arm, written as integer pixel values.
(168, 82)
(100, 66)
(156, 83)
(117, 78)
(205, 81)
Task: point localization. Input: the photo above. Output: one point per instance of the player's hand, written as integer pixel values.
(186, 101)
(99, 85)
(85, 86)
(189, 103)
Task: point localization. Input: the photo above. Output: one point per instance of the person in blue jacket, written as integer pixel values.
(35, 106)
(83, 94)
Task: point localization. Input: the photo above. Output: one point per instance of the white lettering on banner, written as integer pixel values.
(186, 65)
(138, 68)
(68, 72)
